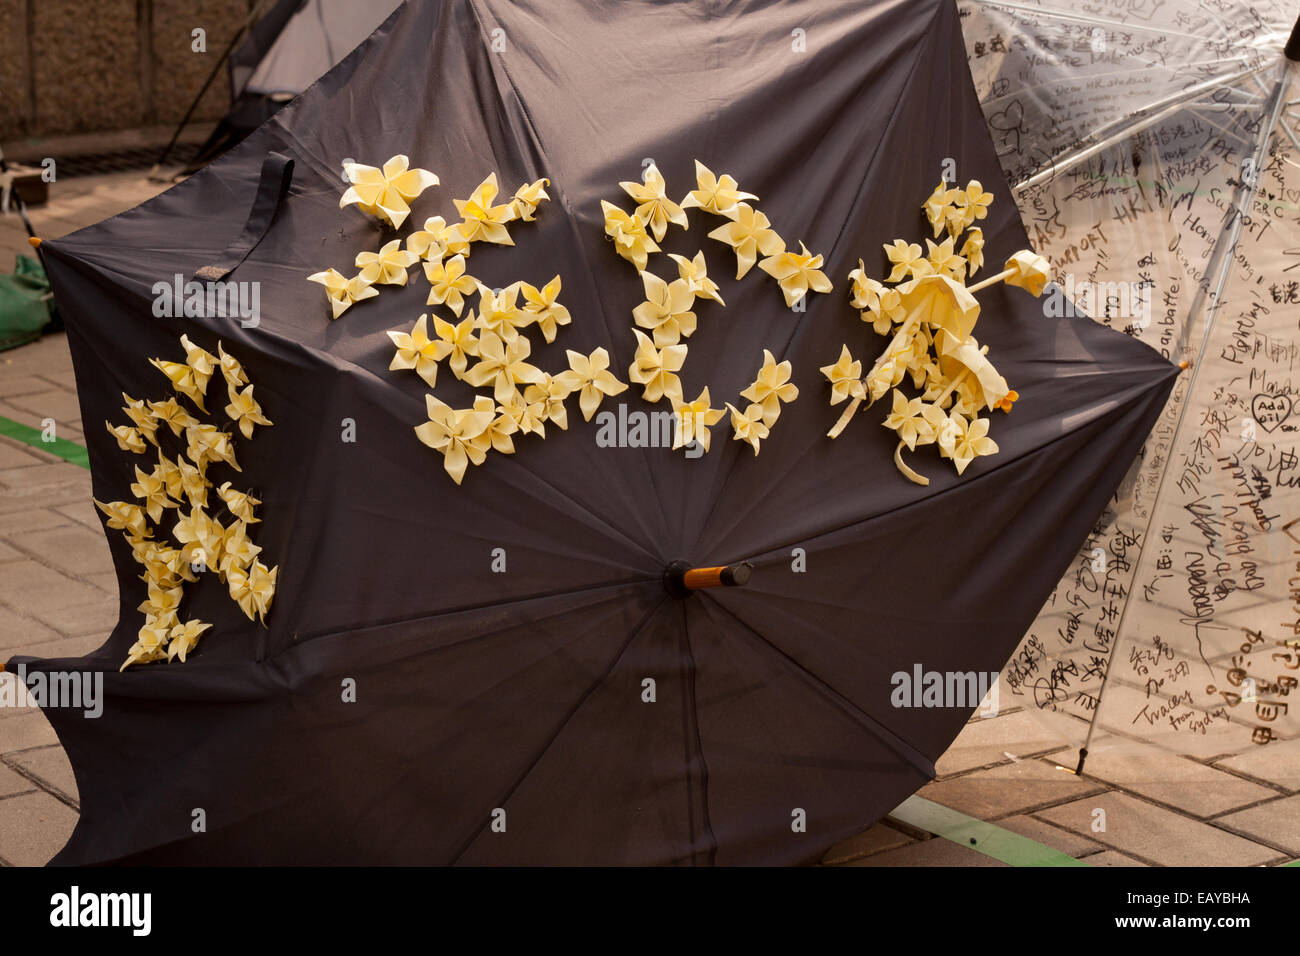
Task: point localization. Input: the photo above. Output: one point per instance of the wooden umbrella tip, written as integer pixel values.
(1184, 365)
(34, 241)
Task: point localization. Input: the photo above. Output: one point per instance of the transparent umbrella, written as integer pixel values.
(1152, 149)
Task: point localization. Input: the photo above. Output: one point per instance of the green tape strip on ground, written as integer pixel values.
(69, 451)
(1011, 848)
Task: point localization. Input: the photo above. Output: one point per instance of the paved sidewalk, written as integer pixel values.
(58, 598)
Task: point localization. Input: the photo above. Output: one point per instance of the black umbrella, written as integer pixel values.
(511, 670)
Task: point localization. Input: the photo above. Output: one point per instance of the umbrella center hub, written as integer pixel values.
(681, 578)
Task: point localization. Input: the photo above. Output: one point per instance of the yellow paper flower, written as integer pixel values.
(541, 303)
(429, 243)
(200, 537)
(142, 417)
(796, 272)
(771, 388)
(152, 490)
(172, 414)
(162, 602)
(454, 241)
(716, 194)
(631, 240)
(128, 438)
(748, 425)
(550, 393)
(449, 283)
(501, 428)
(239, 503)
(908, 421)
(253, 590)
(655, 369)
(972, 203)
(943, 260)
(972, 249)
(666, 310)
(415, 350)
(907, 261)
(500, 314)
(386, 193)
(967, 441)
(695, 273)
(1030, 271)
(231, 370)
(342, 291)
(749, 234)
(183, 638)
(193, 484)
(460, 434)
(237, 548)
(207, 443)
(845, 377)
(694, 419)
(939, 206)
(184, 379)
(502, 364)
(654, 208)
(460, 341)
(124, 516)
(245, 411)
(527, 198)
(387, 266)
(590, 377)
(528, 417)
(482, 221)
(150, 644)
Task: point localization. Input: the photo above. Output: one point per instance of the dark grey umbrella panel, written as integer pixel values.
(410, 702)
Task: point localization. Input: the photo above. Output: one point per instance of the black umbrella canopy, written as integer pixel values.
(504, 717)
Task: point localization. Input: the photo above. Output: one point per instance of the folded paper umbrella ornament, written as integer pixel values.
(594, 648)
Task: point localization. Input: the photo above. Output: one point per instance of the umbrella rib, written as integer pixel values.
(471, 837)
(464, 608)
(690, 702)
(879, 730)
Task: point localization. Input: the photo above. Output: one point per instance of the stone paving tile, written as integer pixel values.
(63, 646)
(1277, 821)
(1177, 781)
(12, 782)
(28, 729)
(84, 513)
(1007, 789)
(50, 767)
(933, 852)
(14, 454)
(43, 592)
(877, 839)
(987, 740)
(33, 519)
(21, 384)
(74, 549)
(17, 630)
(34, 827)
(95, 619)
(1042, 832)
(1156, 834)
(1274, 764)
(10, 553)
(57, 403)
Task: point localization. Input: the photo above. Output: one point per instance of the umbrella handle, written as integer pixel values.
(680, 578)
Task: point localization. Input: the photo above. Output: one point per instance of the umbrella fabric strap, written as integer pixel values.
(277, 174)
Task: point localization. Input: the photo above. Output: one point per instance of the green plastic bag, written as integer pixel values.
(26, 303)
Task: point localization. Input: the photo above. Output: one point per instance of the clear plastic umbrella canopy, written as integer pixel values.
(1151, 146)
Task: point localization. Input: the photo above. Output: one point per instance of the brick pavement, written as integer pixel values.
(58, 598)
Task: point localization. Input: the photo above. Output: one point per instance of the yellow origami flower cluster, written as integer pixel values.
(667, 311)
(205, 535)
(386, 194)
(929, 312)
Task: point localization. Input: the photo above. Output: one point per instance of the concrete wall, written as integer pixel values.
(76, 66)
